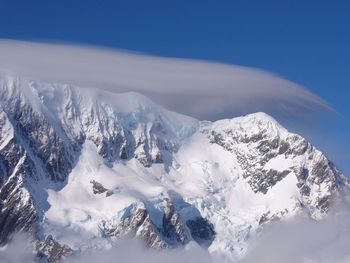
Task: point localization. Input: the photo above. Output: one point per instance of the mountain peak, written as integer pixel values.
(75, 159)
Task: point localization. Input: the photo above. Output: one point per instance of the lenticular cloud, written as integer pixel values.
(201, 89)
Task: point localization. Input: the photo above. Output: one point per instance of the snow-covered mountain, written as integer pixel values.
(82, 168)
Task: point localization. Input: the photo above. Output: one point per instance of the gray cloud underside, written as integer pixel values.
(197, 88)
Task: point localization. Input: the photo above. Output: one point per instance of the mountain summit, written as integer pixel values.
(81, 168)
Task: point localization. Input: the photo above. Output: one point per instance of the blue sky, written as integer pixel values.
(303, 41)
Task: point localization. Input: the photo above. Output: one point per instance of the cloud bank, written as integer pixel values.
(298, 240)
(20, 250)
(133, 251)
(197, 88)
(303, 241)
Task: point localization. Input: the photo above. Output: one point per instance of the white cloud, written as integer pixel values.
(134, 252)
(303, 240)
(197, 88)
(18, 250)
(298, 240)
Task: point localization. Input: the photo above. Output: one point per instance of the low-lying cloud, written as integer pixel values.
(197, 88)
(20, 250)
(133, 251)
(298, 240)
(303, 240)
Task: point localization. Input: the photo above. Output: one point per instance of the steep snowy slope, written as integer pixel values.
(81, 168)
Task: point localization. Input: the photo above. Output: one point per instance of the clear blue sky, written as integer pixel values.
(304, 41)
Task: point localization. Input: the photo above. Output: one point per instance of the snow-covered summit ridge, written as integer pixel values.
(251, 124)
(53, 98)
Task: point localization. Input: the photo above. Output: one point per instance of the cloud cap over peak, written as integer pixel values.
(197, 88)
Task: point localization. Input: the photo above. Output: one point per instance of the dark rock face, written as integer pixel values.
(98, 188)
(252, 162)
(256, 141)
(52, 251)
(32, 131)
(138, 224)
(202, 231)
(174, 231)
(36, 145)
(30, 151)
(268, 217)
(321, 173)
(262, 181)
(17, 209)
(147, 142)
(149, 233)
(18, 212)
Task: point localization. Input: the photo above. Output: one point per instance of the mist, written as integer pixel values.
(296, 240)
(302, 240)
(20, 250)
(201, 89)
(133, 251)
